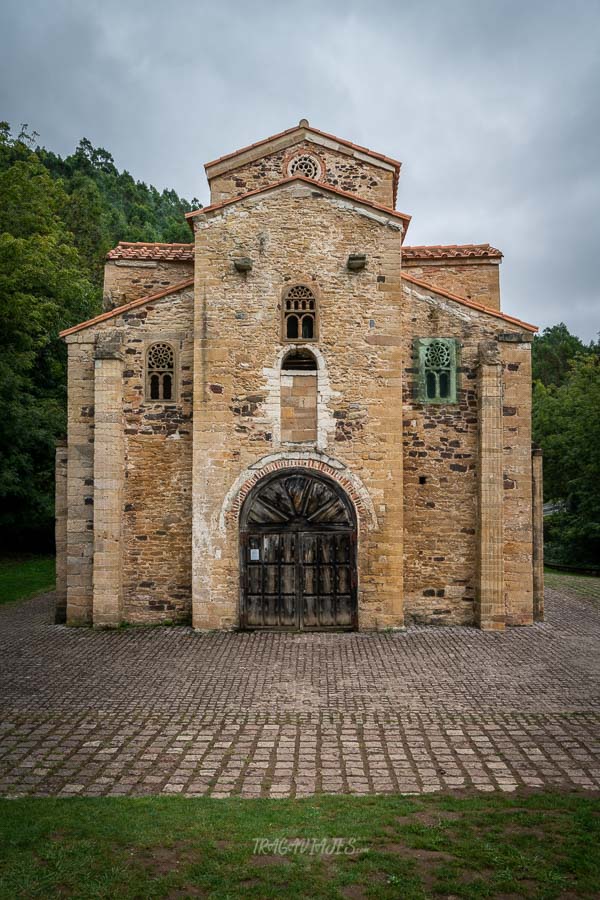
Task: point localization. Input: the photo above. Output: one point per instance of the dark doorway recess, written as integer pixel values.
(298, 554)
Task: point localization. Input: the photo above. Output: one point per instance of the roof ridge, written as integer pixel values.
(273, 137)
(119, 310)
(471, 303)
(154, 244)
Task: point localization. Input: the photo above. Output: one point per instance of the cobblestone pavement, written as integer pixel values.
(166, 710)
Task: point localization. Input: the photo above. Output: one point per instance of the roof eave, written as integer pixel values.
(119, 310)
(328, 188)
(479, 307)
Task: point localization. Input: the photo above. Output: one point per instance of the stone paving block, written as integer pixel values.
(132, 713)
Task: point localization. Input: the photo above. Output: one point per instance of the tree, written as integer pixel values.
(567, 426)
(552, 353)
(58, 218)
(43, 288)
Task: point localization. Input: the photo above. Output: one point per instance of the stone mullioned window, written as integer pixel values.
(437, 366)
(160, 372)
(299, 314)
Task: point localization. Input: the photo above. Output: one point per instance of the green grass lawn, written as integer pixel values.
(23, 576)
(540, 845)
(584, 587)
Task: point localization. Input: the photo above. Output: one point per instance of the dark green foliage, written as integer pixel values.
(58, 218)
(553, 351)
(566, 424)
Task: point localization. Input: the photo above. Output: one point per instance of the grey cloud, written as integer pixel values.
(491, 105)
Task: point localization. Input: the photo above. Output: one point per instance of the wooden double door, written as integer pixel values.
(298, 555)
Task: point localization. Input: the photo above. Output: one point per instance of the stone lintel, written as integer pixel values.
(515, 337)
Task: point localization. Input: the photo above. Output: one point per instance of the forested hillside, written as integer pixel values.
(58, 218)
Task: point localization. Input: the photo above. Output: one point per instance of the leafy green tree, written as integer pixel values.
(58, 218)
(43, 288)
(566, 424)
(552, 352)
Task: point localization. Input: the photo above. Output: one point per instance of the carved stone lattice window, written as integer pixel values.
(437, 368)
(160, 372)
(299, 314)
(306, 165)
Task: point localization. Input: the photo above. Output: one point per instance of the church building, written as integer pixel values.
(298, 421)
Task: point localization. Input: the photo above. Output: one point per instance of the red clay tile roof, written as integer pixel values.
(331, 137)
(143, 250)
(119, 310)
(317, 184)
(471, 303)
(451, 251)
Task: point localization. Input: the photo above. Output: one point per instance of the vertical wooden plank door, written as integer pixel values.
(298, 556)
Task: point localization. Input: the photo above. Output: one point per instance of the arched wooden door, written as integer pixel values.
(298, 554)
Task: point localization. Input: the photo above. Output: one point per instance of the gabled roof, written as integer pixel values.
(152, 250)
(304, 131)
(451, 251)
(183, 285)
(119, 310)
(470, 303)
(327, 188)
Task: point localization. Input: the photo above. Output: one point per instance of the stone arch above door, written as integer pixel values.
(328, 466)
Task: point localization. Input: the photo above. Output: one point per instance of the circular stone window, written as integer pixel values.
(306, 165)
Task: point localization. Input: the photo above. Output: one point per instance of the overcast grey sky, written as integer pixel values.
(492, 105)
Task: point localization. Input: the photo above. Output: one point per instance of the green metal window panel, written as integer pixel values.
(436, 361)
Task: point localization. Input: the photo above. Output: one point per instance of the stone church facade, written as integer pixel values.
(297, 420)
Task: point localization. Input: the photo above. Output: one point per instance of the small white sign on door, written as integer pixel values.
(254, 555)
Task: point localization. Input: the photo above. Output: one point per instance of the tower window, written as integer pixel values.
(299, 314)
(437, 368)
(160, 372)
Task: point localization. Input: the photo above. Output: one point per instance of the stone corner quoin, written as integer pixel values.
(297, 420)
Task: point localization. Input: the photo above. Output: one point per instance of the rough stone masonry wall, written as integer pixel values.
(128, 279)
(296, 235)
(474, 279)
(156, 532)
(299, 407)
(80, 478)
(340, 170)
(440, 446)
(517, 507)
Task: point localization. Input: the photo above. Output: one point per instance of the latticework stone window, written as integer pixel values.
(437, 370)
(306, 165)
(299, 314)
(160, 372)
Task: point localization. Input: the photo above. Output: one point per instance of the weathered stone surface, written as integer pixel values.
(443, 491)
(475, 279)
(126, 280)
(338, 168)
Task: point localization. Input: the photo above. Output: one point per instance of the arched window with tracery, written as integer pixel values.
(160, 372)
(437, 360)
(299, 314)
